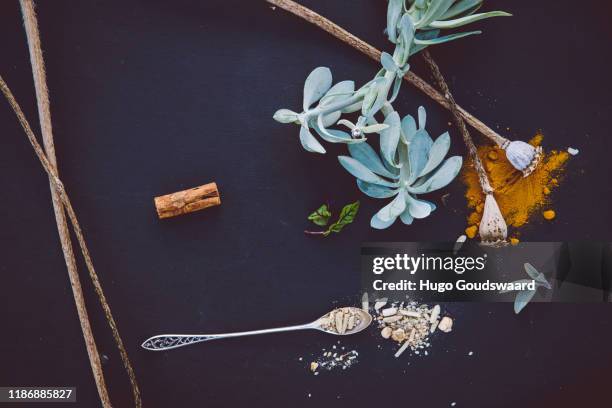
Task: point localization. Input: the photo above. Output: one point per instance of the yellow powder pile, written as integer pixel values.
(518, 197)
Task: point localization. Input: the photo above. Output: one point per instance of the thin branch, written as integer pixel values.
(482, 175)
(370, 51)
(61, 202)
(44, 114)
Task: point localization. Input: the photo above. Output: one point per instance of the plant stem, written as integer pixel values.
(482, 175)
(315, 232)
(61, 202)
(370, 51)
(44, 114)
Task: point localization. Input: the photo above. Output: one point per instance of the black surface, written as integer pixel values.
(149, 97)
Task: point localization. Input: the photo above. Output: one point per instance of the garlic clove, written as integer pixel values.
(493, 229)
(523, 156)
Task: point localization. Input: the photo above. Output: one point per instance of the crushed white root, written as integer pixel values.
(410, 324)
(334, 359)
(573, 151)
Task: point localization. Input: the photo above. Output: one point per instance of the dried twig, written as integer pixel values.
(61, 202)
(493, 229)
(435, 70)
(370, 51)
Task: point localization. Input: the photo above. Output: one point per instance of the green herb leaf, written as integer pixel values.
(321, 216)
(347, 215)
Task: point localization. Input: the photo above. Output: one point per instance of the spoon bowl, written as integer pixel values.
(352, 320)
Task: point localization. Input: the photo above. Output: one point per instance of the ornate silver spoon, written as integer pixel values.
(341, 322)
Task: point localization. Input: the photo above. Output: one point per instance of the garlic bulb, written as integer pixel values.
(493, 229)
(523, 156)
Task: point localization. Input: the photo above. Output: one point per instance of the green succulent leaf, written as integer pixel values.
(522, 299)
(377, 223)
(409, 128)
(341, 91)
(468, 19)
(418, 208)
(446, 38)
(406, 218)
(389, 137)
(309, 142)
(417, 153)
(461, 7)
(347, 216)
(440, 178)
(537, 276)
(387, 62)
(361, 172)
(374, 190)
(333, 135)
(317, 83)
(394, 12)
(435, 10)
(375, 128)
(437, 152)
(406, 37)
(392, 210)
(422, 117)
(397, 83)
(364, 153)
(285, 116)
(321, 216)
(423, 35)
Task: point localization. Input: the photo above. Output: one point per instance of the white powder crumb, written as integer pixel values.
(309, 395)
(453, 404)
(459, 243)
(300, 359)
(471, 353)
(573, 151)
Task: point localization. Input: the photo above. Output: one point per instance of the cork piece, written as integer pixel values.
(187, 201)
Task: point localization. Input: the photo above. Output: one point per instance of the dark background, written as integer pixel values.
(150, 97)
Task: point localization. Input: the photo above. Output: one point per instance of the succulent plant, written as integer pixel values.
(410, 163)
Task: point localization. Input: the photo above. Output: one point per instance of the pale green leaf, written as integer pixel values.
(389, 137)
(522, 299)
(317, 83)
(460, 7)
(440, 178)
(468, 19)
(446, 38)
(377, 223)
(392, 210)
(417, 208)
(417, 153)
(436, 153)
(361, 172)
(394, 11)
(364, 153)
(374, 190)
(285, 116)
(309, 142)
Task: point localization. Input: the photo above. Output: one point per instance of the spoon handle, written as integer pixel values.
(171, 341)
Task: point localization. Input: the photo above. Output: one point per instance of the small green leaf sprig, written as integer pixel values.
(523, 297)
(409, 162)
(323, 214)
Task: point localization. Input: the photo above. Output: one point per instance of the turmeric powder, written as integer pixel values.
(518, 197)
